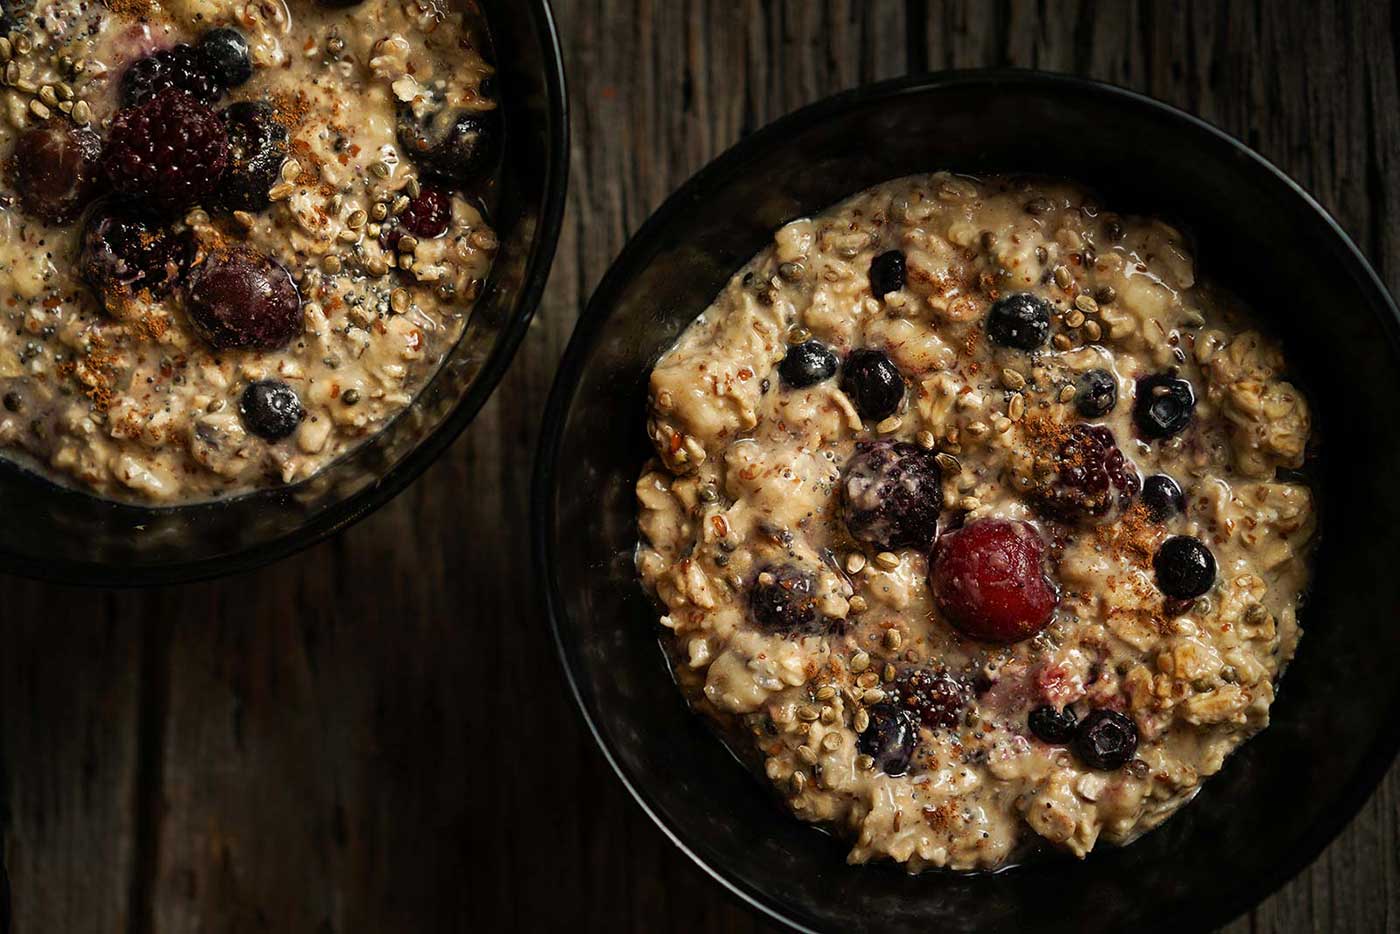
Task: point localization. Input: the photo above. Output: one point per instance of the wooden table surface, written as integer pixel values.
(373, 736)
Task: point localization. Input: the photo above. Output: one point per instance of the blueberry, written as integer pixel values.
(257, 147)
(1163, 406)
(1096, 394)
(1185, 567)
(1106, 740)
(1021, 321)
(270, 409)
(807, 364)
(783, 600)
(1163, 497)
(887, 273)
(873, 383)
(890, 739)
(224, 52)
(891, 495)
(1052, 726)
(460, 146)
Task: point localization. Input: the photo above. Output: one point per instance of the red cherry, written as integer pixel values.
(989, 581)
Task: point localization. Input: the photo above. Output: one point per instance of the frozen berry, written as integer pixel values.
(1089, 476)
(1163, 406)
(1106, 740)
(1052, 726)
(428, 215)
(270, 409)
(891, 495)
(873, 383)
(223, 52)
(783, 600)
(257, 147)
(887, 273)
(890, 739)
(239, 298)
(988, 580)
(935, 697)
(182, 68)
(126, 252)
(1185, 567)
(1163, 497)
(56, 170)
(171, 149)
(461, 146)
(807, 364)
(1096, 394)
(1020, 321)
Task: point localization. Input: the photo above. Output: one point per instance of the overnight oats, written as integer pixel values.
(236, 238)
(977, 520)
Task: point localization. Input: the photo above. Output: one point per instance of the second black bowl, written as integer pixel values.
(1337, 721)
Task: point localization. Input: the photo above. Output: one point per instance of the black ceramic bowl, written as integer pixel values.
(60, 534)
(1337, 721)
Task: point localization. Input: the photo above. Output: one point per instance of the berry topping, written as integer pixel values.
(1106, 740)
(1163, 497)
(461, 146)
(428, 215)
(125, 253)
(887, 273)
(181, 68)
(1021, 321)
(935, 697)
(783, 599)
(257, 147)
(1185, 567)
(224, 54)
(239, 298)
(1089, 476)
(1163, 406)
(891, 495)
(1052, 726)
(890, 739)
(171, 149)
(55, 170)
(270, 409)
(807, 364)
(873, 383)
(988, 580)
(1096, 394)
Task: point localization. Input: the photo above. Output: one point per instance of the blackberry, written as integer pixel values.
(807, 364)
(1106, 740)
(935, 697)
(890, 739)
(257, 147)
(270, 409)
(172, 149)
(56, 169)
(126, 252)
(181, 67)
(239, 298)
(459, 146)
(1091, 476)
(1020, 321)
(891, 495)
(783, 599)
(887, 273)
(873, 382)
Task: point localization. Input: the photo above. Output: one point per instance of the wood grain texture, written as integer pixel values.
(373, 736)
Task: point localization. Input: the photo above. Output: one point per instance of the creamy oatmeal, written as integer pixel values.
(976, 519)
(236, 236)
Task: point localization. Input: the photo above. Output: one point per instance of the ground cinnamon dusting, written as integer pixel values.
(134, 9)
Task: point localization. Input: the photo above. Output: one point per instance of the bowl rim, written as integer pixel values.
(342, 515)
(1217, 911)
